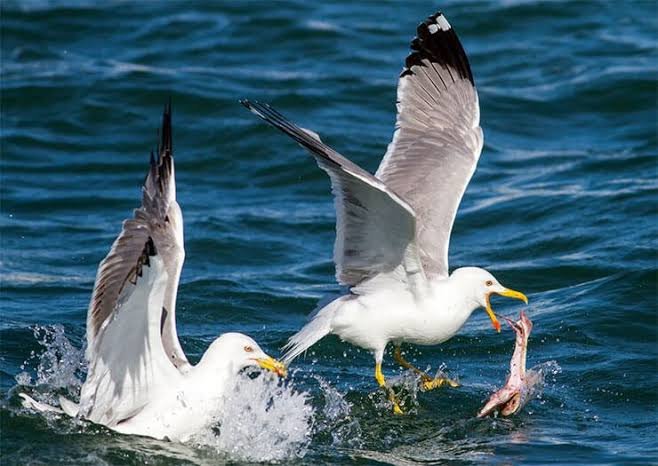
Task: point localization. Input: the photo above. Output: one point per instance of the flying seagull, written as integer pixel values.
(139, 380)
(393, 228)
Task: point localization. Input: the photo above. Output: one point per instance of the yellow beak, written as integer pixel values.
(272, 365)
(508, 293)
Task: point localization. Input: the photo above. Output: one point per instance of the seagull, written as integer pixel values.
(393, 228)
(139, 379)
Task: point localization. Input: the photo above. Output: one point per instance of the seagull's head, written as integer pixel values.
(242, 352)
(482, 284)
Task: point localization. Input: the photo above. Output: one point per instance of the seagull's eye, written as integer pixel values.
(489, 283)
(248, 349)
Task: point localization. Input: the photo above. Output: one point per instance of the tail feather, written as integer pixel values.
(318, 327)
(69, 407)
(30, 403)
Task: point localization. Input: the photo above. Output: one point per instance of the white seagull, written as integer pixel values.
(139, 380)
(393, 228)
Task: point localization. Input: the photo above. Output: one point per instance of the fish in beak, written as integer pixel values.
(507, 293)
(270, 364)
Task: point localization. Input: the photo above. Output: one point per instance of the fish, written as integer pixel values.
(518, 388)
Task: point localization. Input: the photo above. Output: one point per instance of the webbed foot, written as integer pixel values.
(428, 383)
(396, 408)
(389, 391)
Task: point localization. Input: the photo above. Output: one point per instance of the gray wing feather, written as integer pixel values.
(375, 229)
(156, 228)
(437, 141)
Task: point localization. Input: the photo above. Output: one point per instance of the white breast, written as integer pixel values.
(397, 315)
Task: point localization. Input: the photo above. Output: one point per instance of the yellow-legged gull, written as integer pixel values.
(393, 228)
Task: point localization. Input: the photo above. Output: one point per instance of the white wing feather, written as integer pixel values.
(132, 345)
(375, 228)
(437, 141)
(130, 364)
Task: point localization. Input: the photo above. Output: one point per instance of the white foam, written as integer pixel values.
(322, 26)
(262, 419)
(29, 278)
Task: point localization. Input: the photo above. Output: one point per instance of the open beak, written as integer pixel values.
(508, 293)
(272, 365)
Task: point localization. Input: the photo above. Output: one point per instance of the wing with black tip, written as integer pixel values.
(132, 345)
(437, 140)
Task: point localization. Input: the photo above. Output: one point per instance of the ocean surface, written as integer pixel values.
(563, 206)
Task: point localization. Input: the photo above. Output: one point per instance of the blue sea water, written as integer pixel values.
(563, 207)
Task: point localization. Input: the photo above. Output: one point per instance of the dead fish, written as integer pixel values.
(513, 396)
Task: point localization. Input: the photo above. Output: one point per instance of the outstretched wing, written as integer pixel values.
(437, 140)
(375, 229)
(132, 346)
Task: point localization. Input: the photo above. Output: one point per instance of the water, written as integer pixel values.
(562, 207)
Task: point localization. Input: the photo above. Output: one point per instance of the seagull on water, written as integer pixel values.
(139, 380)
(393, 228)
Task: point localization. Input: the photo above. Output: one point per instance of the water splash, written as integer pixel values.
(60, 367)
(537, 378)
(535, 382)
(337, 419)
(443, 372)
(407, 385)
(262, 419)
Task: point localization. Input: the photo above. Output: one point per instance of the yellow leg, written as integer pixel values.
(427, 382)
(389, 391)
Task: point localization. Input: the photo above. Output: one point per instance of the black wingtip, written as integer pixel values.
(301, 136)
(165, 148)
(266, 112)
(437, 42)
